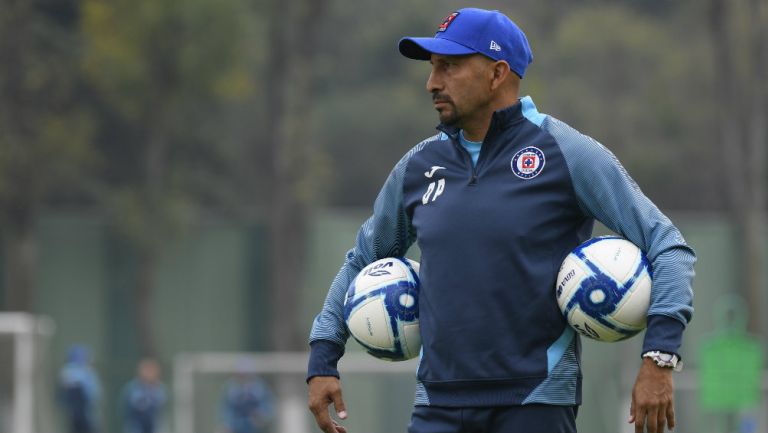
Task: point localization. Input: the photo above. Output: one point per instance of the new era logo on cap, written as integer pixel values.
(474, 31)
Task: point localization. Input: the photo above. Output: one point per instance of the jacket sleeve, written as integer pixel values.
(387, 233)
(607, 193)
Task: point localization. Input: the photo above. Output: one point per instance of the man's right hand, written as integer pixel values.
(324, 390)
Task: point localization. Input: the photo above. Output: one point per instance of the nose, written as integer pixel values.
(433, 83)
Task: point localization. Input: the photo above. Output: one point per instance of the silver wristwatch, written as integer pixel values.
(666, 360)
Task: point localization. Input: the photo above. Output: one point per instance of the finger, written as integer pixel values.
(319, 409)
(639, 417)
(671, 416)
(339, 428)
(324, 422)
(652, 419)
(631, 412)
(338, 403)
(661, 421)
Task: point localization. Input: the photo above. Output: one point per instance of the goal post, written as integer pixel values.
(285, 371)
(24, 392)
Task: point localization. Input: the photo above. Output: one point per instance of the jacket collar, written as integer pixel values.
(501, 120)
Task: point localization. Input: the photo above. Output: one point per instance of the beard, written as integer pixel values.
(448, 116)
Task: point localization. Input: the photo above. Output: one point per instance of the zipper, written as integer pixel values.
(473, 178)
(472, 167)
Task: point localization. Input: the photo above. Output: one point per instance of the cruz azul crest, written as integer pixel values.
(528, 163)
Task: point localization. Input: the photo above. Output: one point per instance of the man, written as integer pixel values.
(516, 191)
(143, 399)
(79, 390)
(246, 405)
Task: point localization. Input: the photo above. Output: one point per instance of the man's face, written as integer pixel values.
(460, 86)
(149, 371)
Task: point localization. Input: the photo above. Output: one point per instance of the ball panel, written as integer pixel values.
(380, 273)
(414, 264)
(616, 257)
(571, 273)
(402, 301)
(412, 339)
(369, 322)
(588, 327)
(597, 295)
(633, 311)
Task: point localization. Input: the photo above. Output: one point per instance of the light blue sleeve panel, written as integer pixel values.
(387, 233)
(606, 192)
(76, 374)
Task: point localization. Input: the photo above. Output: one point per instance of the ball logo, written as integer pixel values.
(378, 269)
(528, 163)
(571, 273)
(586, 330)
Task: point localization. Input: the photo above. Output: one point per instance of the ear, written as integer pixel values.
(501, 73)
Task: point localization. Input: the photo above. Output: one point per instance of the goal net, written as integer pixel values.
(25, 391)
(378, 394)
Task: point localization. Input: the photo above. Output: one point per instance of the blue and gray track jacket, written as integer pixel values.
(492, 238)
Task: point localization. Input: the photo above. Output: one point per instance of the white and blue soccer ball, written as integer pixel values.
(604, 288)
(381, 309)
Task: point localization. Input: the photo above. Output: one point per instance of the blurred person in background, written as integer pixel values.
(246, 405)
(79, 390)
(143, 399)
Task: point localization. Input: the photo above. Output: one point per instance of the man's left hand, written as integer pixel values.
(653, 404)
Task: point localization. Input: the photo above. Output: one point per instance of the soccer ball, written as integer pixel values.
(381, 309)
(604, 288)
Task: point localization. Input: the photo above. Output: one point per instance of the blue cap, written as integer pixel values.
(470, 31)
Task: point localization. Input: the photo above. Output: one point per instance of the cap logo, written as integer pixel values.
(495, 46)
(447, 22)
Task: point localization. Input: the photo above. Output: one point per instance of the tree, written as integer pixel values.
(371, 104)
(739, 75)
(289, 81)
(44, 131)
(757, 142)
(601, 70)
(160, 72)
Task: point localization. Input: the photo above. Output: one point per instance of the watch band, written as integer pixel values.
(666, 360)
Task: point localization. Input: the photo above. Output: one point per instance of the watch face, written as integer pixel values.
(666, 357)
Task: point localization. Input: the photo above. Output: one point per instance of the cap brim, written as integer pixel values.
(423, 48)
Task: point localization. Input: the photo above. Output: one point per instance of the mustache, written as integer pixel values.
(440, 97)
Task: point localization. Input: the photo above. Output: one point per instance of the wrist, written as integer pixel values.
(323, 358)
(664, 334)
(665, 360)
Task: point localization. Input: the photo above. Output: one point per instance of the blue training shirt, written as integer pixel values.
(473, 147)
(492, 237)
(142, 406)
